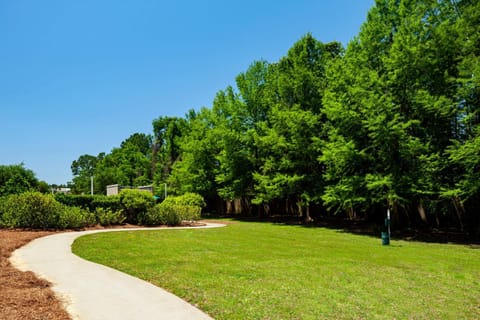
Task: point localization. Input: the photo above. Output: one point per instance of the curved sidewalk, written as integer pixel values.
(91, 291)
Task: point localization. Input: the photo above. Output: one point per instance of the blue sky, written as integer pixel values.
(79, 77)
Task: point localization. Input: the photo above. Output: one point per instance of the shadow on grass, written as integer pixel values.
(365, 228)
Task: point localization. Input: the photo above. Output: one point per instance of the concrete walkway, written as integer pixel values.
(92, 291)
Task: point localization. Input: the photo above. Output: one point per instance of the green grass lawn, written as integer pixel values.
(267, 271)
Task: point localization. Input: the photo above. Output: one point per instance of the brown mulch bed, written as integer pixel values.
(22, 294)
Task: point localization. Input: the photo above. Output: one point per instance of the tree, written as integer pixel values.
(195, 169)
(393, 109)
(139, 141)
(129, 165)
(16, 179)
(289, 135)
(463, 155)
(231, 125)
(166, 146)
(83, 169)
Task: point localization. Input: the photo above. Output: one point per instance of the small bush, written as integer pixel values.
(188, 199)
(192, 199)
(31, 210)
(108, 217)
(189, 213)
(158, 215)
(163, 213)
(135, 204)
(173, 210)
(41, 211)
(75, 217)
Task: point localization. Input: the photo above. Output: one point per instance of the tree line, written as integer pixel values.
(390, 121)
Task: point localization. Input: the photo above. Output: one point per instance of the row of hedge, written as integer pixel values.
(43, 211)
(89, 202)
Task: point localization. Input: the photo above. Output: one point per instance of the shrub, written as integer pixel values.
(192, 199)
(135, 204)
(189, 213)
(159, 215)
(173, 210)
(74, 200)
(2, 207)
(188, 199)
(16, 179)
(75, 217)
(108, 217)
(89, 202)
(31, 210)
(106, 202)
(163, 213)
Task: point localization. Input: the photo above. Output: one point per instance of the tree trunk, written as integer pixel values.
(237, 206)
(421, 212)
(395, 214)
(229, 206)
(351, 213)
(307, 218)
(459, 210)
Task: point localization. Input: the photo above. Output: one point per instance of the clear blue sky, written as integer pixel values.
(78, 77)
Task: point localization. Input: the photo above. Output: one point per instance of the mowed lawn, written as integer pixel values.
(266, 271)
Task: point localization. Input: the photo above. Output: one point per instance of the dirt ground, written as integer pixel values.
(22, 295)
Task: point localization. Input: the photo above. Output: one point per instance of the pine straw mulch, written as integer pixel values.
(22, 294)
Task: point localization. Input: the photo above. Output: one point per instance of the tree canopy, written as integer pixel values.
(15, 179)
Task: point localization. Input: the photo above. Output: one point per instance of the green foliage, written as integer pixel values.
(43, 187)
(89, 202)
(31, 210)
(195, 172)
(187, 199)
(41, 211)
(72, 200)
(168, 131)
(75, 218)
(2, 208)
(173, 210)
(105, 202)
(15, 179)
(83, 169)
(235, 158)
(188, 212)
(162, 214)
(169, 213)
(108, 217)
(394, 105)
(135, 204)
(289, 139)
(139, 141)
(129, 165)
